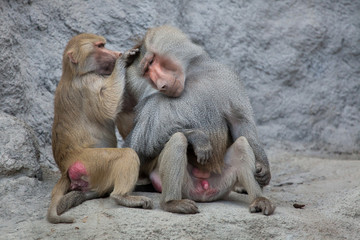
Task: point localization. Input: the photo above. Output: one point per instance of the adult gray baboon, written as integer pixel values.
(194, 129)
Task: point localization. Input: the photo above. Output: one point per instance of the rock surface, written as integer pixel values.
(299, 60)
(19, 150)
(300, 63)
(328, 188)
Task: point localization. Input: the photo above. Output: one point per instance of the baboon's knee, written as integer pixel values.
(242, 141)
(179, 138)
(177, 141)
(242, 148)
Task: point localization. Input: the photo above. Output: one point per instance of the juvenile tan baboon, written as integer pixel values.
(194, 118)
(87, 100)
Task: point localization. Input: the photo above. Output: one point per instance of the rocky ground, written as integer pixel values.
(329, 189)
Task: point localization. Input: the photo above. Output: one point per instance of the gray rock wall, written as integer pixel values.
(300, 60)
(19, 149)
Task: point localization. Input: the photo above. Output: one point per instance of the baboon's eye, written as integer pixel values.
(100, 45)
(151, 61)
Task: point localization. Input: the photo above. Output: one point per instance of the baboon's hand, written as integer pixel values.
(130, 55)
(262, 174)
(131, 52)
(201, 144)
(203, 152)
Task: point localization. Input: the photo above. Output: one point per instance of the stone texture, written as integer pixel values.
(329, 189)
(17, 198)
(299, 60)
(19, 150)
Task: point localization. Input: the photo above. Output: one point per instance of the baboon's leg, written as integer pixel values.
(173, 173)
(241, 156)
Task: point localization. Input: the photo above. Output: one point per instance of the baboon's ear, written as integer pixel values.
(71, 57)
